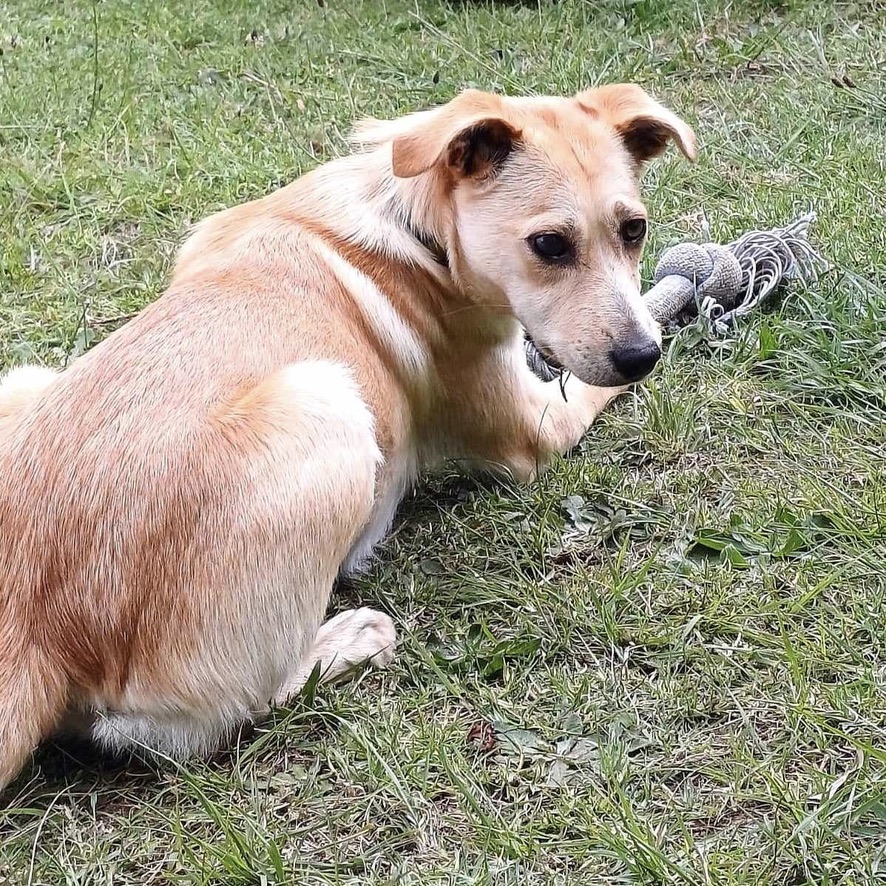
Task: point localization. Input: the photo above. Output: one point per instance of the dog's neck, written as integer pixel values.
(429, 242)
(403, 224)
(362, 203)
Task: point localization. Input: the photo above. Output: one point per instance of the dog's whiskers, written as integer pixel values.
(475, 308)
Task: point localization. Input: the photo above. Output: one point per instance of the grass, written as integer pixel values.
(663, 663)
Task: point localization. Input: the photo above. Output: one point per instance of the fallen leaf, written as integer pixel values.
(572, 755)
(431, 567)
(514, 741)
(482, 734)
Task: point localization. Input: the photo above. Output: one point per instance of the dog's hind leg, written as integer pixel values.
(32, 703)
(287, 486)
(32, 695)
(343, 644)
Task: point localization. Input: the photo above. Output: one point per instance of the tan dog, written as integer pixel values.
(175, 506)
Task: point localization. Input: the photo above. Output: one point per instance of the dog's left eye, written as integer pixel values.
(551, 247)
(633, 230)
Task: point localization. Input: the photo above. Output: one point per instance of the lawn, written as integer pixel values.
(665, 662)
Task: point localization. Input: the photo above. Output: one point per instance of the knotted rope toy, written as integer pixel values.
(718, 283)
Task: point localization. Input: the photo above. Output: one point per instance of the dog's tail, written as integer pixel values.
(32, 700)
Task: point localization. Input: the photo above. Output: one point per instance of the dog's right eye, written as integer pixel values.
(551, 247)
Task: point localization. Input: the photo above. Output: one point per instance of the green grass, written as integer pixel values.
(588, 691)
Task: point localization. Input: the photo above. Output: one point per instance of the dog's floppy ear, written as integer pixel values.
(643, 124)
(471, 135)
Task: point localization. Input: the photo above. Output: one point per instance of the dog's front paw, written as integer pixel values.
(353, 639)
(358, 637)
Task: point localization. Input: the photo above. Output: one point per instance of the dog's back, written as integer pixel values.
(135, 492)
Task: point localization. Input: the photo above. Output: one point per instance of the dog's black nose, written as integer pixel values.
(636, 361)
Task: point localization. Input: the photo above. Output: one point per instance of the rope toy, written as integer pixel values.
(718, 283)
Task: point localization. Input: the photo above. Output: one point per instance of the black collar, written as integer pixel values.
(436, 249)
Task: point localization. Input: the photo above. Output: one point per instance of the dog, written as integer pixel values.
(176, 505)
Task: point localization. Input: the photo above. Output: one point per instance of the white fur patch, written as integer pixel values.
(21, 388)
(386, 323)
(26, 380)
(393, 484)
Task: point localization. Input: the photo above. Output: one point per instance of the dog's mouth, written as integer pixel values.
(542, 361)
(548, 356)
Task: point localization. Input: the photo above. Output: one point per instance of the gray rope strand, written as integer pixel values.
(769, 258)
(723, 283)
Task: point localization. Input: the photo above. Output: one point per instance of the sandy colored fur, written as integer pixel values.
(177, 504)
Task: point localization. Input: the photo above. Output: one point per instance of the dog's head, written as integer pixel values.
(543, 214)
